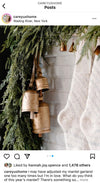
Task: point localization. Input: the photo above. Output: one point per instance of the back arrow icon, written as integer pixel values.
(3, 5)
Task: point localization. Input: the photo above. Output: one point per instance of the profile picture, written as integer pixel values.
(8, 165)
(6, 18)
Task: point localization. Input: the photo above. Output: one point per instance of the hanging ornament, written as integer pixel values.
(30, 101)
(97, 50)
(41, 121)
(63, 46)
(71, 49)
(42, 83)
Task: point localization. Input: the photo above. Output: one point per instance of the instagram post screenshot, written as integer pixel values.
(49, 91)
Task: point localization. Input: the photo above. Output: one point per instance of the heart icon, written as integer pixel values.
(6, 156)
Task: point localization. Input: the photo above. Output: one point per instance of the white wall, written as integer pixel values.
(59, 73)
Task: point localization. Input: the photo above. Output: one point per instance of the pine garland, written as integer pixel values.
(25, 42)
(90, 35)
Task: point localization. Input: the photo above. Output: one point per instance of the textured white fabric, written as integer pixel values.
(90, 120)
(69, 117)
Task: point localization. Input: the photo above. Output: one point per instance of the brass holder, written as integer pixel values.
(41, 121)
(63, 47)
(30, 101)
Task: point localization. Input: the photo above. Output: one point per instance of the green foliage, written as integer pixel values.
(90, 35)
(25, 42)
(64, 33)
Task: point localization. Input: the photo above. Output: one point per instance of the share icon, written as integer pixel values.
(27, 155)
